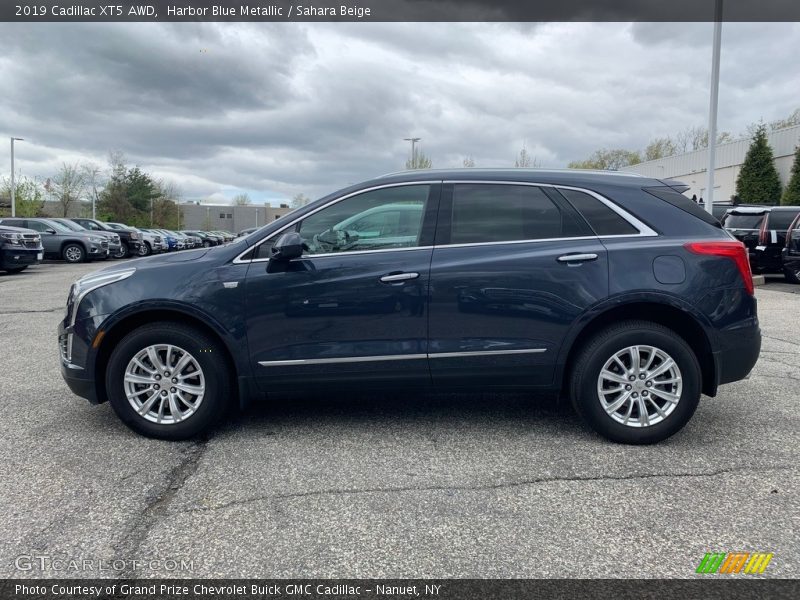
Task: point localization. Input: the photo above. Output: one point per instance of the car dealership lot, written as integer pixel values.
(389, 485)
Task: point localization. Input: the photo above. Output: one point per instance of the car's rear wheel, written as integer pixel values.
(792, 275)
(73, 253)
(206, 244)
(636, 382)
(169, 381)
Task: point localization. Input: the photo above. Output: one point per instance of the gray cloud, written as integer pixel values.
(277, 109)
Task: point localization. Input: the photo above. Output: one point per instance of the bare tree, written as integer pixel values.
(419, 161)
(468, 161)
(242, 200)
(525, 160)
(68, 187)
(300, 200)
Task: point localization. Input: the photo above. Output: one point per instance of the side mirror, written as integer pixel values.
(48, 230)
(288, 246)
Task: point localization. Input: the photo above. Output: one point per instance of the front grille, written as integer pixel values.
(104, 244)
(30, 240)
(30, 244)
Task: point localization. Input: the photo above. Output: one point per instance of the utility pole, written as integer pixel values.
(712, 109)
(413, 141)
(13, 183)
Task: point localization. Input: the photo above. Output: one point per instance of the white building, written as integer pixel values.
(691, 167)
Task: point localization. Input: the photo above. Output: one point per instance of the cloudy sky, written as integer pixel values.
(286, 108)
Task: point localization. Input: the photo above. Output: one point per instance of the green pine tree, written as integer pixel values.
(758, 181)
(791, 195)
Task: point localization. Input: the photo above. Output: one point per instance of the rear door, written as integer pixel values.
(513, 266)
(778, 222)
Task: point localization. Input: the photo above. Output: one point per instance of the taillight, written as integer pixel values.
(736, 251)
(762, 233)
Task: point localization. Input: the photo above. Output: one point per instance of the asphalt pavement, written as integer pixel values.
(387, 485)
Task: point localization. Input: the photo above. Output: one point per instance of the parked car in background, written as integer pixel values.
(207, 240)
(152, 242)
(113, 238)
(762, 229)
(130, 239)
(19, 248)
(62, 243)
(189, 242)
(616, 291)
(227, 236)
(247, 231)
(173, 242)
(790, 255)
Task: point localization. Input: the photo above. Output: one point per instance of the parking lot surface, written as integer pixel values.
(389, 485)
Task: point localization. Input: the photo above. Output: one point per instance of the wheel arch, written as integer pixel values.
(130, 321)
(680, 319)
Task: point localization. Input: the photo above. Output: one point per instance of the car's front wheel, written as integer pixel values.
(145, 249)
(123, 251)
(73, 253)
(636, 382)
(169, 381)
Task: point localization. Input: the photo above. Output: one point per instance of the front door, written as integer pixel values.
(513, 267)
(353, 307)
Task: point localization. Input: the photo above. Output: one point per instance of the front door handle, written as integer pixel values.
(398, 277)
(574, 258)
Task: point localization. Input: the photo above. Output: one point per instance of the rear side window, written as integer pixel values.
(781, 219)
(667, 194)
(743, 221)
(600, 217)
(502, 213)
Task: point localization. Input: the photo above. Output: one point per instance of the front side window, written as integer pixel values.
(38, 226)
(377, 220)
(485, 213)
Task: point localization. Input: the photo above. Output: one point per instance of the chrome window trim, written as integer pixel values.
(642, 228)
(357, 359)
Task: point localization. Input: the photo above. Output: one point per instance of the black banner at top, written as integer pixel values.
(396, 10)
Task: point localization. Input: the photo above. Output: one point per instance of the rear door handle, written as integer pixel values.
(570, 258)
(398, 277)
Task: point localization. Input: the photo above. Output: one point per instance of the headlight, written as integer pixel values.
(90, 282)
(134, 235)
(96, 239)
(15, 239)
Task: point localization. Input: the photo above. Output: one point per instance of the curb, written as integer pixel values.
(758, 280)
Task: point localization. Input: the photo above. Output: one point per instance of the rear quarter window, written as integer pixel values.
(743, 221)
(602, 219)
(677, 200)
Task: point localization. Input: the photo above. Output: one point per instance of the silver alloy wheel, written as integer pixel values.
(73, 254)
(639, 386)
(144, 250)
(164, 384)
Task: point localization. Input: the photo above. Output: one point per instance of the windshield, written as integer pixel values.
(739, 221)
(59, 226)
(71, 226)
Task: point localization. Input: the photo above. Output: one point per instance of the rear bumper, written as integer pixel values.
(738, 354)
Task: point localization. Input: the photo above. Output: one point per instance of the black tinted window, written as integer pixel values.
(781, 219)
(685, 204)
(503, 213)
(600, 217)
(743, 221)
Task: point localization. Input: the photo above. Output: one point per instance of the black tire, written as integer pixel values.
(73, 253)
(145, 249)
(219, 389)
(589, 362)
(791, 276)
(14, 270)
(123, 251)
(206, 244)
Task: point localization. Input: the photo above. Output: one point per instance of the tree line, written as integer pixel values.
(121, 193)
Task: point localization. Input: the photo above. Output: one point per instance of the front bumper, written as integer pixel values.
(73, 355)
(11, 256)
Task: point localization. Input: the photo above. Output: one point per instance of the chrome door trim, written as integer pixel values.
(357, 359)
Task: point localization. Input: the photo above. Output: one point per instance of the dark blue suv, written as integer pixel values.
(616, 291)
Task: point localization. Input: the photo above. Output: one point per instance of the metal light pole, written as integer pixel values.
(712, 110)
(13, 184)
(256, 218)
(413, 141)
